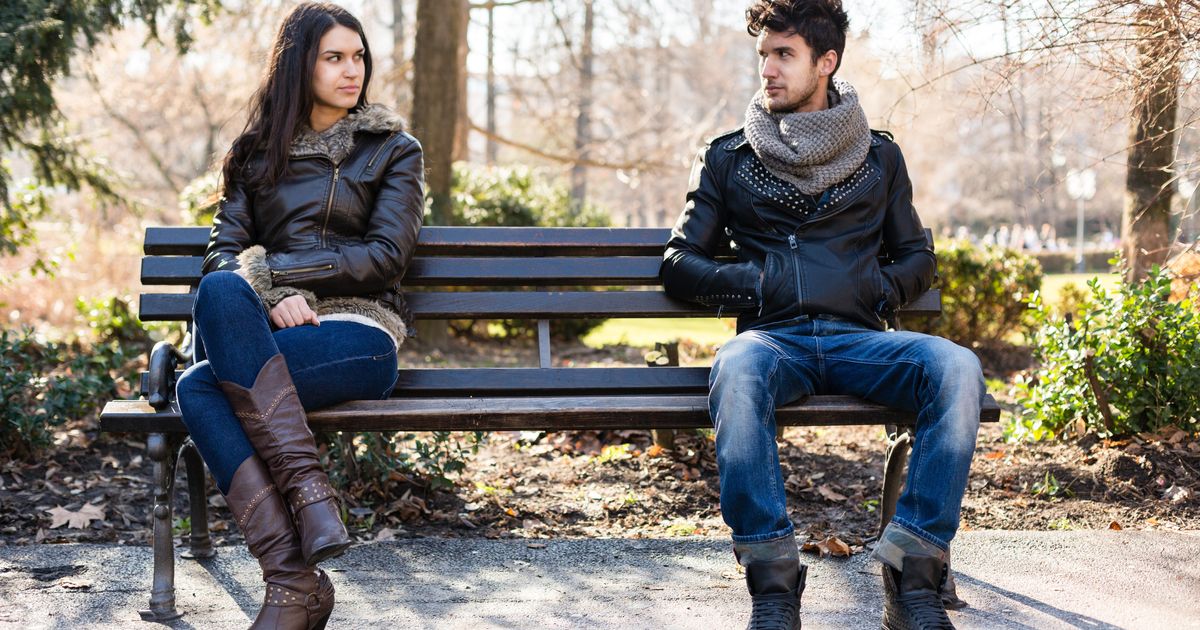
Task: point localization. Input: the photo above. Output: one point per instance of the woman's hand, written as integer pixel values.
(293, 311)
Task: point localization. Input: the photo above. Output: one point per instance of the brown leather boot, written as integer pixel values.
(274, 421)
(298, 597)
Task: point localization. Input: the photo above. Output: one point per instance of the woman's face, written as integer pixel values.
(338, 74)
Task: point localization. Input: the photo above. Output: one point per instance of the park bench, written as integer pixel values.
(478, 273)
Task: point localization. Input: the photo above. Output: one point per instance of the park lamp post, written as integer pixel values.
(1081, 186)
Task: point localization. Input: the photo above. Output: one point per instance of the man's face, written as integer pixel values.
(791, 81)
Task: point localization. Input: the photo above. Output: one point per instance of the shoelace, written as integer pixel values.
(773, 614)
(926, 610)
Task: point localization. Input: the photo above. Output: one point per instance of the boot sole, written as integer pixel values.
(328, 552)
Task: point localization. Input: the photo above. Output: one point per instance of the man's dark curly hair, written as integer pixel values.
(822, 23)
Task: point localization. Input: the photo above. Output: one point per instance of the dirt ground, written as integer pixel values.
(96, 487)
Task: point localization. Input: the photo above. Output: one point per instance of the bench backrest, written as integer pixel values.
(499, 272)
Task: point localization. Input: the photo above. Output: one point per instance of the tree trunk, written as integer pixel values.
(436, 85)
(583, 126)
(1145, 229)
(462, 132)
(436, 71)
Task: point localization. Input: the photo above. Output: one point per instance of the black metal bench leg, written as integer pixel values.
(163, 449)
(899, 444)
(201, 542)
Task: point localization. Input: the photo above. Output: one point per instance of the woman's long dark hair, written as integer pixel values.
(284, 100)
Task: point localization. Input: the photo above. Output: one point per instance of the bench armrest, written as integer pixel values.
(164, 358)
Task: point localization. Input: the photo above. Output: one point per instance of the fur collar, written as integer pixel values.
(337, 141)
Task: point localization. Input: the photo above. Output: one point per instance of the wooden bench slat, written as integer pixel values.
(473, 271)
(547, 413)
(466, 241)
(531, 381)
(518, 305)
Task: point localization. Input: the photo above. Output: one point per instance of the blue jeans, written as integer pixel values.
(763, 368)
(330, 363)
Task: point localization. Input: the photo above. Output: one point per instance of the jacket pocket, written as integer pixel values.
(303, 270)
(870, 286)
(777, 295)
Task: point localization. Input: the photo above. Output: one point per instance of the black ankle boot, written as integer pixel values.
(912, 597)
(775, 590)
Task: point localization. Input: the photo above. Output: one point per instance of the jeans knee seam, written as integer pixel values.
(388, 391)
(321, 366)
(769, 402)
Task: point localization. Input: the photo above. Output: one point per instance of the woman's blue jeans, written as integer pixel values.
(330, 363)
(761, 369)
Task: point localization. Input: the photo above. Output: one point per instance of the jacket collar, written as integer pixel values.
(337, 141)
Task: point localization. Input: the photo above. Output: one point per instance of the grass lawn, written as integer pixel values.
(1053, 284)
(705, 330)
(644, 332)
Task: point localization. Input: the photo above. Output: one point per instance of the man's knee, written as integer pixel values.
(957, 368)
(745, 358)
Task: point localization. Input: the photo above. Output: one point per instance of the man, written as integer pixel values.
(811, 196)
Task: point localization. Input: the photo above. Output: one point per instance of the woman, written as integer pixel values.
(299, 306)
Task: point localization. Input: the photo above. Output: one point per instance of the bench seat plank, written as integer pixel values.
(545, 413)
(519, 305)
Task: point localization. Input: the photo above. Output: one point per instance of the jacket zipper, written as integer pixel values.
(337, 169)
(288, 272)
(795, 247)
(386, 142)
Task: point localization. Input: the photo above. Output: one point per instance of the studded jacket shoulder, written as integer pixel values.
(792, 254)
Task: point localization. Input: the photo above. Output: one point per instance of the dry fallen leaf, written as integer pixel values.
(837, 547)
(993, 455)
(832, 545)
(75, 520)
(830, 493)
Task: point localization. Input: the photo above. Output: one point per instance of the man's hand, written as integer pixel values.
(293, 311)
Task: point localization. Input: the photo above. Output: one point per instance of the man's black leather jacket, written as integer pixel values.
(798, 254)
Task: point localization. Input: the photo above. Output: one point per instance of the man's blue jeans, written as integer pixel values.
(763, 368)
(330, 363)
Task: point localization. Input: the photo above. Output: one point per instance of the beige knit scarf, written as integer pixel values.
(811, 150)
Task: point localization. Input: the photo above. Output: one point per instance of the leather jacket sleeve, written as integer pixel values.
(689, 271)
(378, 262)
(913, 264)
(232, 230)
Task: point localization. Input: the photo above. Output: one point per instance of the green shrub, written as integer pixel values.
(984, 289)
(198, 201)
(516, 196)
(1143, 351)
(45, 384)
(519, 196)
(371, 465)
